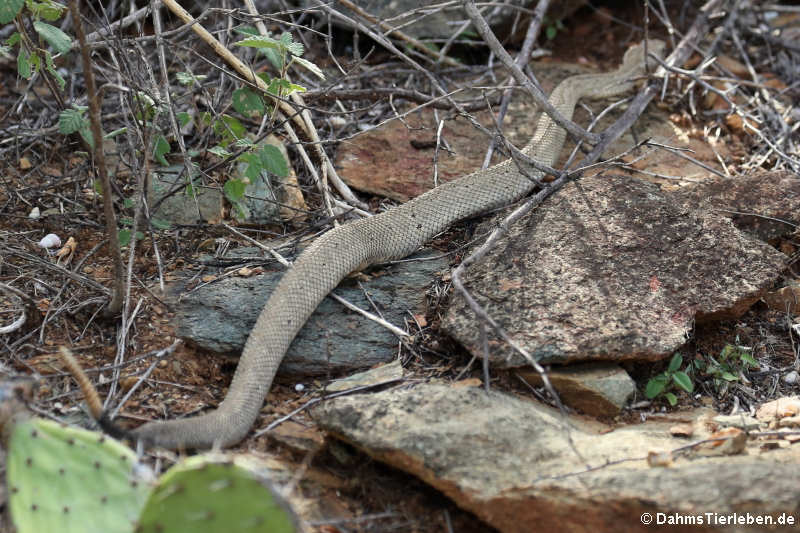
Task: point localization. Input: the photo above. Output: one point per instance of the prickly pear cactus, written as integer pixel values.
(68, 480)
(214, 493)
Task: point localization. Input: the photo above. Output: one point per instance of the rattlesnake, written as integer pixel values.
(390, 235)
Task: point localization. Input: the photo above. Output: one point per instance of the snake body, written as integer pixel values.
(390, 235)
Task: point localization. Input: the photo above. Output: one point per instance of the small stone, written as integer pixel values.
(790, 378)
(682, 430)
(299, 387)
(51, 240)
(34, 214)
(740, 421)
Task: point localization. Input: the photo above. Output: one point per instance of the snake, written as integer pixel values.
(390, 235)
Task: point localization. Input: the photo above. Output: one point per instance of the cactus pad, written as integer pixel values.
(214, 493)
(68, 480)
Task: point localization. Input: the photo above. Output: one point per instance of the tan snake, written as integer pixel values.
(390, 235)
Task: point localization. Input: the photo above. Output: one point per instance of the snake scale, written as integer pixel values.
(390, 235)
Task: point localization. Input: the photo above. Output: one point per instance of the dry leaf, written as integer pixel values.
(470, 382)
(66, 252)
(24, 163)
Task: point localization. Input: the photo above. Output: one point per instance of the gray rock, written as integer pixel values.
(611, 269)
(510, 462)
(597, 389)
(765, 204)
(181, 207)
(741, 421)
(218, 317)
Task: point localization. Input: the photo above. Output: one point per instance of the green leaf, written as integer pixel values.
(160, 148)
(183, 118)
(273, 161)
(260, 41)
(683, 381)
(161, 224)
(675, 363)
(124, 236)
(671, 398)
(229, 128)
(727, 376)
(47, 9)
(9, 10)
(244, 143)
(247, 102)
(748, 358)
(282, 87)
(296, 49)
(127, 203)
(234, 190)
(727, 351)
(219, 151)
(550, 32)
(188, 79)
(51, 68)
(309, 66)
(70, 121)
(59, 40)
(13, 39)
(655, 386)
(24, 66)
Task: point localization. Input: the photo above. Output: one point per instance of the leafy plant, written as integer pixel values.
(31, 57)
(733, 360)
(551, 28)
(74, 120)
(671, 377)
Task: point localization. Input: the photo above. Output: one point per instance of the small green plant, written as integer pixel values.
(671, 377)
(33, 56)
(551, 28)
(733, 360)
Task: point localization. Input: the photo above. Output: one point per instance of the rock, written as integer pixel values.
(390, 372)
(790, 378)
(611, 269)
(765, 204)
(218, 317)
(510, 462)
(180, 207)
(595, 389)
(271, 199)
(740, 421)
(780, 408)
(786, 299)
(383, 161)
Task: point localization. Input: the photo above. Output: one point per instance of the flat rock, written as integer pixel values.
(597, 389)
(218, 317)
(611, 269)
(510, 462)
(384, 160)
(765, 204)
